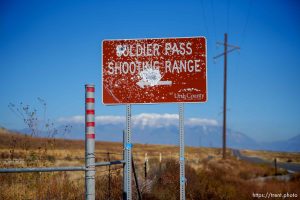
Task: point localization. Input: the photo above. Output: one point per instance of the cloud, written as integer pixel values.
(203, 122)
(144, 119)
(74, 119)
(155, 120)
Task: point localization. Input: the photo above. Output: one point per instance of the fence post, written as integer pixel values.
(145, 166)
(89, 142)
(160, 158)
(275, 166)
(136, 179)
(124, 171)
(109, 177)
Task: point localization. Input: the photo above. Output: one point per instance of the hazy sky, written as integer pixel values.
(50, 49)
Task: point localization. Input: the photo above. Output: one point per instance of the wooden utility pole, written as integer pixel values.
(226, 51)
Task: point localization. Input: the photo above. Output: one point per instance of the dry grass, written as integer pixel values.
(208, 176)
(219, 179)
(17, 146)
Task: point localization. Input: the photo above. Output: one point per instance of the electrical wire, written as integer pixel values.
(214, 22)
(204, 17)
(247, 22)
(228, 17)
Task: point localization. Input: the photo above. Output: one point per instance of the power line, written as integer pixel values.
(214, 22)
(228, 19)
(247, 21)
(204, 17)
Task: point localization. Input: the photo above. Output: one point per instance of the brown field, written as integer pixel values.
(271, 155)
(208, 176)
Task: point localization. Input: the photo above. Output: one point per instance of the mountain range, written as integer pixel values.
(198, 132)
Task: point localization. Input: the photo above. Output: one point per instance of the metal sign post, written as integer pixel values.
(89, 142)
(128, 148)
(181, 151)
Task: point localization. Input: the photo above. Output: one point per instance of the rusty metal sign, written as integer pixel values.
(167, 70)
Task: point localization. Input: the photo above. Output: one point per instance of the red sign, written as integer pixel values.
(165, 70)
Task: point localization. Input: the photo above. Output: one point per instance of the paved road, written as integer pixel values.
(292, 167)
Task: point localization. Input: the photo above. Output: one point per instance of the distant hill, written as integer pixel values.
(290, 145)
(195, 135)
